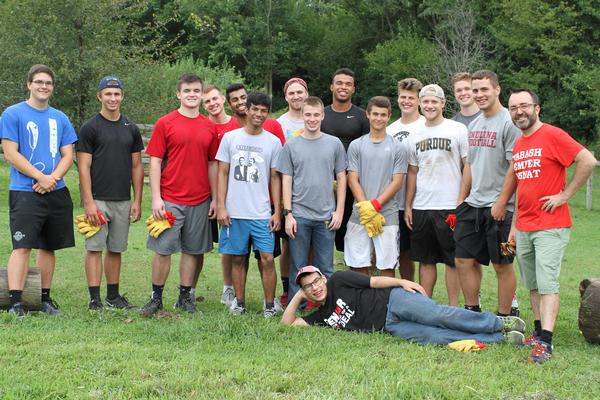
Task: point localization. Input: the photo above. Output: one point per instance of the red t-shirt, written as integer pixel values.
(540, 163)
(224, 128)
(185, 145)
(270, 125)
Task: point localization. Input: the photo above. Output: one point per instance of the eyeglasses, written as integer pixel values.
(313, 284)
(42, 83)
(522, 107)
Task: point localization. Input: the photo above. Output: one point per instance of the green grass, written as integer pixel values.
(211, 355)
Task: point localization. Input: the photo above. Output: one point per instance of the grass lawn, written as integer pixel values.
(212, 355)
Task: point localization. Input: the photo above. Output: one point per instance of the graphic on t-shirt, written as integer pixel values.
(247, 169)
(434, 144)
(33, 139)
(401, 135)
(483, 138)
(528, 164)
(342, 314)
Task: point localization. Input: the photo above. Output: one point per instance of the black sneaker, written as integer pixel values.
(17, 310)
(515, 312)
(50, 307)
(119, 302)
(152, 307)
(186, 303)
(95, 305)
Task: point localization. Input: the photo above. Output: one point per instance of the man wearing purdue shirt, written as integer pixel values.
(347, 122)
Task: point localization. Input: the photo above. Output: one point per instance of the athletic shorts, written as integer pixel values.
(540, 256)
(478, 235)
(214, 230)
(236, 237)
(359, 247)
(113, 235)
(404, 236)
(190, 234)
(431, 241)
(41, 221)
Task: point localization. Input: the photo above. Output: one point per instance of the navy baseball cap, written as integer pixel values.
(309, 269)
(110, 81)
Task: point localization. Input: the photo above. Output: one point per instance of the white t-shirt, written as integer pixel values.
(291, 127)
(438, 152)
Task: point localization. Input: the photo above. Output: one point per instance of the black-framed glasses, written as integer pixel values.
(522, 107)
(313, 284)
(42, 83)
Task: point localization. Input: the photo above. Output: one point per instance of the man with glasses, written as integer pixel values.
(37, 140)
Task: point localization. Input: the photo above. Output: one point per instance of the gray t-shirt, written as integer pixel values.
(375, 164)
(491, 142)
(250, 159)
(313, 164)
(465, 120)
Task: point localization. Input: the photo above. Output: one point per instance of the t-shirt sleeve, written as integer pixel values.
(223, 151)
(353, 157)
(214, 143)
(9, 126)
(341, 159)
(512, 133)
(157, 146)
(364, 121)
(565, 148)
(68, 132)
(284, 163)
(86, 143)
(411, 151)
(400, 162)
(352, 279)
(275, 128)
(463, 143)
(276, 151)
(138, 143)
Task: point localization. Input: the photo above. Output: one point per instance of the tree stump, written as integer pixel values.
(589, 310)
(32, 293)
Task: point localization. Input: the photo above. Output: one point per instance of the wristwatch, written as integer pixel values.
(285, 212)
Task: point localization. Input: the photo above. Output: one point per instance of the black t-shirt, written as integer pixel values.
(346, 126)
(111, 144)
(352, 304)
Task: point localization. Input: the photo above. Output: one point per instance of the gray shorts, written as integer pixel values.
(191, 233)
(113, 235)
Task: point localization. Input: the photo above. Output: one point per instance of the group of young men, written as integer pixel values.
(423, 189)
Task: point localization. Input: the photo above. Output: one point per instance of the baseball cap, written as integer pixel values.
(432, 90)
(110, 81)
(309, 269)
(297, 80)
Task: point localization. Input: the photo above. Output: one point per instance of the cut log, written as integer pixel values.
(32, 293)
(589, 310)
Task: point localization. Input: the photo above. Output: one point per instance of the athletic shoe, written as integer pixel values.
(511, 323)
(531, 341)
(311, 306)
(152, 307)
(514, 337)
(50, 307)
(17, 310)
(283, 299)
(186, 303)
(540, 352)
(273, 311)
(227, 296)
(95, 305)
(515, 312)
(119, 302)
(234, 309)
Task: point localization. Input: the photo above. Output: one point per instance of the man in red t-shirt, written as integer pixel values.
(182, 181)
(542, 226)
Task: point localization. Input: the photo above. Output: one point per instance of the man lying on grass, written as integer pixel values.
(357, 302)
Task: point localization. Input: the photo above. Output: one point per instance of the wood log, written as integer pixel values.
(589, 310)
(32, 293)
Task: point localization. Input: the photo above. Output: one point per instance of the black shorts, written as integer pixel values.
(214, 228)
(41, 221)
(431, 241)
(341, 233)
(404, 239)
(478, 235)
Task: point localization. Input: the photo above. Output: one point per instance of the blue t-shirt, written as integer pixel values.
(40, 135)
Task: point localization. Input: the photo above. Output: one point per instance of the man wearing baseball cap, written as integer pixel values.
(356, 302)
(110, 164)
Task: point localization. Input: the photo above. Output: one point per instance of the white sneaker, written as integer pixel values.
(234, 309)
(227, 296)
(271, 312)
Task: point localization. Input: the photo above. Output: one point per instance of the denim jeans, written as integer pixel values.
(315, 234)
(418, 318)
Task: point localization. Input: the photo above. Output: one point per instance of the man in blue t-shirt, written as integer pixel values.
(38, 143)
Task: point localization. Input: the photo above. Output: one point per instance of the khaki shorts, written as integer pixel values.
(113, 235)
(358, 247)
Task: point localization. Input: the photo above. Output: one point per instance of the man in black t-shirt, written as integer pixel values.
(347, 122)
(110, 163)
(356, 302)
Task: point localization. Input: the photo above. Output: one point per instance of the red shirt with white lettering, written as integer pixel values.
(185, 145)
(540, 163)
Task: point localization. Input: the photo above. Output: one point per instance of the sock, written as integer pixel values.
(546, 336)
(473, 308)
(112, 291)
(269, 305)
(157, 291)
(16, 296)
(241, 303)
(537, 327)
(45, 294)
(184, 291)
(501, 314)
(225, 287)
(285, 282)
(94, 292)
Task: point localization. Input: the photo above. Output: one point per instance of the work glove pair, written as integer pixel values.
(508, 248)
(85, 228)
(451, 221)
(370, 217)
(467, 345)
(157, 226)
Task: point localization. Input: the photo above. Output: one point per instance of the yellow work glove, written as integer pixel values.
(85, 228)
(467, 345)
(375, 226)
(366, 211)
(157, 226)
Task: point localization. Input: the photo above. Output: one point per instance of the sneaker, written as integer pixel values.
(152, 307)
(17, 310)
(283, 299)
(540, 352)
(514, 337)
(50, 307)
(531, 341)
(515, 312)
(186, 303)
(95, 305)
(119, 302)
(227, 296)
(511, 323)
(271, 312)
(234, 309)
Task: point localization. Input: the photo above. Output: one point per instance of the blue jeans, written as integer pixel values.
(417, 318)
(315, 234)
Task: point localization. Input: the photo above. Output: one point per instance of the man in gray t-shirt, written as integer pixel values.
(463, 94)
(309, 164)
(481, 226)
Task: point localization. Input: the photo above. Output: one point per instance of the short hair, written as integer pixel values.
(188, 78)
(534, 96)
(410, 84)
(233, 88)
(313, 101)
(258, 99)
(210, 88)
(342, 71)
(379, 101)
(39, 69)
(460, 76)
(486, 74)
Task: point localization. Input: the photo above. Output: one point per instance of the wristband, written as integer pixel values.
(376, 204)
